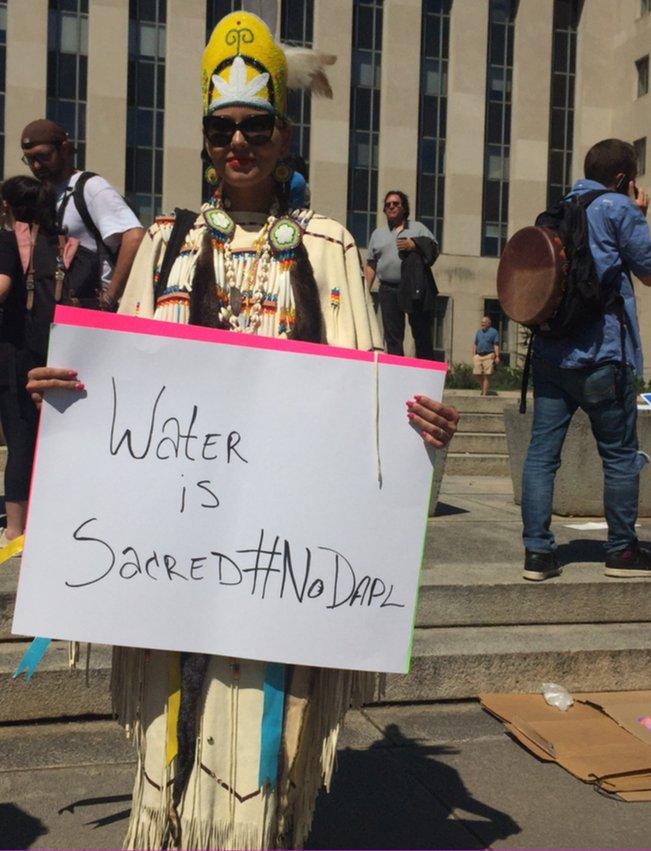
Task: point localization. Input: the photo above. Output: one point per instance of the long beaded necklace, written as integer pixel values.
(242, 307)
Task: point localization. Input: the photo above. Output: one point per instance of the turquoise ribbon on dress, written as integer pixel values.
(32, 657)
(272, 723)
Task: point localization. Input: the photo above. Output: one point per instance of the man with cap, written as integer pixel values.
(89, 208)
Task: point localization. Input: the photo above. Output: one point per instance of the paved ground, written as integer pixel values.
(422, 776)
(477, 522)
(440, 776)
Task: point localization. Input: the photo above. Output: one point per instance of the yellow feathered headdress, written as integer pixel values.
(242, 65)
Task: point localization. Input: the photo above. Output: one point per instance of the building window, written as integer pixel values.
(497, 133)
(218, 9)
(561, 109)
(145, 107)
(215, 11)
(67, 69)
(3, 76)
(296, 30)
(434, 52)
(642, 66)
(645, 7)
(364, 118)
(440, 328)
(499, 321)
(640, 153)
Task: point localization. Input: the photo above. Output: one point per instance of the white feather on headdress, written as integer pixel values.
(305, 69)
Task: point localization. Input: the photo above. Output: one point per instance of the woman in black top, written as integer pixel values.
(24, 199)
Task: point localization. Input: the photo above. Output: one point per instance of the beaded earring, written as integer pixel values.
(210, 175)
(282, 172)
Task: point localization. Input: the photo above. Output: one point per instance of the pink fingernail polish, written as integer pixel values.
(417, 398)
(424, 434)
(410, 416)
(79, 386)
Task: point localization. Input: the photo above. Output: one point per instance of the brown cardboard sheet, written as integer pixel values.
(584, 740)
(630, 709)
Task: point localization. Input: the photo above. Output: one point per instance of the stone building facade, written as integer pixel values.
(481, 110)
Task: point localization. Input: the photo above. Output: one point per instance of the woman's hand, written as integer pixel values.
(436, 422)
(44, 378)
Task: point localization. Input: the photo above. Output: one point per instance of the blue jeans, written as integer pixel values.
(557, 395)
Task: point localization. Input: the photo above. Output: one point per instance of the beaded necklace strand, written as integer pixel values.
(277, 242)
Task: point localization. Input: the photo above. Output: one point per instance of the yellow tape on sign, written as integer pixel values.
(173, 705)
(13, 548)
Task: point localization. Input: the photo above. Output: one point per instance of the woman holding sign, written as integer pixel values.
(233, 752)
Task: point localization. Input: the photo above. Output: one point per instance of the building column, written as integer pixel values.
(532, 62)
(331, 118)
(26, 75)
(399, 100)
(106, 109)
(464, 158)
(597, 80)
(186, 39)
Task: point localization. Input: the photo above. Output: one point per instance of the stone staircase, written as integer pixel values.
(479, 448)
(479, 626)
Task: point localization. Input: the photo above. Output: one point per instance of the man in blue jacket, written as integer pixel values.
(584, 371)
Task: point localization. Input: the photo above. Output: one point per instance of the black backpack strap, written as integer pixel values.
(525, 376)
(87, 219)
(586, 198)
(183, 221)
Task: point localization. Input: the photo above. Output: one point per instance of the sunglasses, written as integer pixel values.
(256, 129)
(28, 159)
(393, 204)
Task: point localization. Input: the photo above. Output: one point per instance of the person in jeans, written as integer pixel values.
(385, 248)
(586, 371)
(485, 354)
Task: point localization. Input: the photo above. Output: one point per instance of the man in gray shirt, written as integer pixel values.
(384, 260)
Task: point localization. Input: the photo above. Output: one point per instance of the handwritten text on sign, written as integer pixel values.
(220, 494)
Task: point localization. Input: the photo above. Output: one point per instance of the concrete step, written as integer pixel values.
(458, 662)
(476, 441)
(448, 662)
(474, 595)
(54, 691)
(8, 584)
(491, 423)
(486, 464)
(473, 403)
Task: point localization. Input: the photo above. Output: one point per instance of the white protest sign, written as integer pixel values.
(220, 493)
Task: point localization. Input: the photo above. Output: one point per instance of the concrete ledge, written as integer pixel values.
(484, 423)
(495, 594)
(54, 691)
(461, 662)
(468, 464)
(473, 441)
(578, 488)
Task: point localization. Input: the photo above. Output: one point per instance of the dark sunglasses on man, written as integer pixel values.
(256, 129)
(391, 204)
(43, 158)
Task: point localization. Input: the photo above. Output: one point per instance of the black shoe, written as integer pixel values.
(633, 561)
(539, 566)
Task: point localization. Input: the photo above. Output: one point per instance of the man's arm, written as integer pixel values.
(369, 273)
(634, 238)
(129, 243)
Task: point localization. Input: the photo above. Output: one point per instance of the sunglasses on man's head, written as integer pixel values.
(256, 129)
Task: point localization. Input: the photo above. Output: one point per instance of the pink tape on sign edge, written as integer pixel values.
(84, 318)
